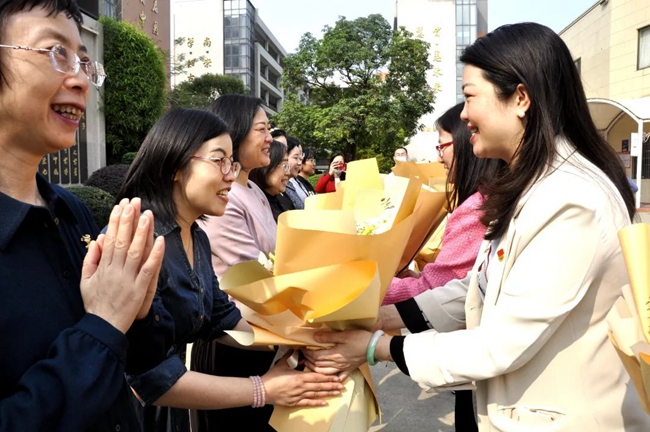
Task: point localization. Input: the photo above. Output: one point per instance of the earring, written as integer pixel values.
(521, 114)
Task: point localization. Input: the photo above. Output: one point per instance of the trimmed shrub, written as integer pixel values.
(127, 159)
(314, 179)
(99, 202)
(109, 178)
(135, 90)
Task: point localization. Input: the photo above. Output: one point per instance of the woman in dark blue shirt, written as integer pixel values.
(184, 170)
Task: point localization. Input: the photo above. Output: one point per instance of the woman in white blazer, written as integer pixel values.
(532, 332)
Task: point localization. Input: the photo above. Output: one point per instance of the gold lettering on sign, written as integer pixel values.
(154, 30)
(143, 18)
(207, 62)
(207, 42)
(155, 6)
(190, 42)
(437, 88)
(436, 31)
(436, 56)
(437, 72)
(419, 32)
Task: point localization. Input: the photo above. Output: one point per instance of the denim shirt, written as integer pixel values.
(61, 369)
(188, 305)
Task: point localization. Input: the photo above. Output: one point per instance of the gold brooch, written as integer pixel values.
(86, 239)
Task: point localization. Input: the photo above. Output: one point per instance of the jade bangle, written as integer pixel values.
(372, 345)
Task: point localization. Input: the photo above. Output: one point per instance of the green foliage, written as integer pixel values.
(109, 178)
(127, 158)
(135, 89)
(314, 179)
(202, 91)
(99, 202)
(367, 89)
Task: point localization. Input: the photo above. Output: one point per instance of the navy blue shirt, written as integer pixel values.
(189, 305)
(61, 369)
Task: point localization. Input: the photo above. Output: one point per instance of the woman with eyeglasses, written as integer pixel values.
(184, 171)
(273, 179)
(246, 229)
(66, 303)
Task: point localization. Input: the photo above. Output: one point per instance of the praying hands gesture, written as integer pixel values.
(120, 271)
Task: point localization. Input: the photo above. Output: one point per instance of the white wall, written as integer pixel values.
(423, 18)
(198, 19)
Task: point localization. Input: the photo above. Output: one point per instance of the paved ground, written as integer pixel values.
(406, 408)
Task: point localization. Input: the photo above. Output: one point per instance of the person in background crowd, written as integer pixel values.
(401, 155)
(279, 135)
(183, 163)
(66, 302)
(300, 183)
(296, 155)
(273, 179)
(551, 267)
(336, 173)
(246, 229)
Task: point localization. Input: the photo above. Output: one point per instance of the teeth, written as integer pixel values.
(68, 111)
(222, 193)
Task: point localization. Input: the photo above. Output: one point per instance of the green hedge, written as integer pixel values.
(127, 158)
(108, 178)
(135, 90)
(99, 202)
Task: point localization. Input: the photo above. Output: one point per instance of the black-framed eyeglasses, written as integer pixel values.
(441, 148)
(225, 164)
(67, 61)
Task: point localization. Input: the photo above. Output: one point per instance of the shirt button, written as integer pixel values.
(156, 317)
(118, 428)
(201, 291)
(67, 274)
(56, 220)
(200, 317)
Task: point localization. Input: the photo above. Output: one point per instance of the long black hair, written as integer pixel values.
(535, 56)
(238, 112)
(166, 150)
(467, 171)
(277, 154)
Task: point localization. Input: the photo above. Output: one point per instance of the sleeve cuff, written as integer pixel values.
(397, 353)
(104, 332)
(412, 316)
(151, 385)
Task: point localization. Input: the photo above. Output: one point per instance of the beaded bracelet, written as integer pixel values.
(259, 392)
(372, 345)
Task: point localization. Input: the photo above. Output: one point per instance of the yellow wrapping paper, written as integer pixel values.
(635, 242)
(430, 210)
(326, 276)
(629, 319)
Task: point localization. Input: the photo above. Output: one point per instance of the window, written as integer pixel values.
(578, 64)
(644, 48)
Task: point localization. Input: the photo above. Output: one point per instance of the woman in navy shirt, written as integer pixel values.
(184, 170)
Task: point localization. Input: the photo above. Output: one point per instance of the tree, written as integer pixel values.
(366, 85)
(134, 96)
(201, 91)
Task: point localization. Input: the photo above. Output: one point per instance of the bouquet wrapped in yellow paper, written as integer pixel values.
(629, 319)
(332, 266)
(430, 210)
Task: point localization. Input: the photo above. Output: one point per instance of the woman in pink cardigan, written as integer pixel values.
(464, 231)
(462, 237)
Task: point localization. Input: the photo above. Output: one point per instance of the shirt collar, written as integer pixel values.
(163, 227)
(14, 212)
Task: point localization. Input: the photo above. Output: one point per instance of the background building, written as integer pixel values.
(228, 37)
(152, 16)
(610, 44)
(448, 26)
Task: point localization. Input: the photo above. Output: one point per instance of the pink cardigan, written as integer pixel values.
(246, 229)
(460, 246)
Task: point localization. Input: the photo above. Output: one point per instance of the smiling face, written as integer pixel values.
(295, 160)
(40, 108)
(278, 178)
(497, 126)
(201, 188)
(254, 150)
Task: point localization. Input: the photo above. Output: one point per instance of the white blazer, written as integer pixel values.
(536, 341)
